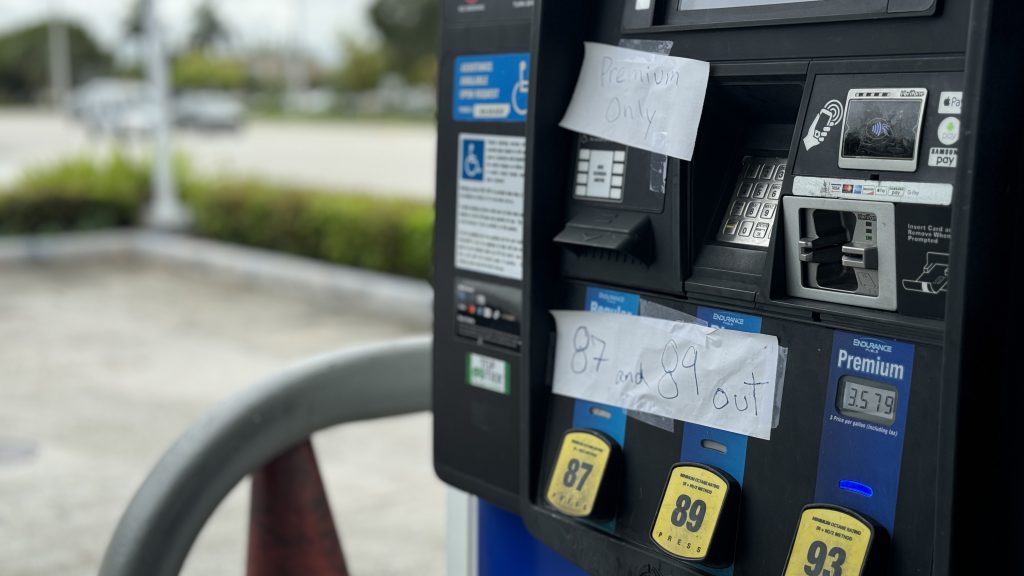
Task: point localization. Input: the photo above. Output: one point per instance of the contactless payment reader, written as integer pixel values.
(724, 288)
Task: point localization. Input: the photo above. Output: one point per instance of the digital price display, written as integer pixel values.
(864, 399)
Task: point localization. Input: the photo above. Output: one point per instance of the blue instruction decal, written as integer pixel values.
(602, 300)
(864, 423)
(491, 88)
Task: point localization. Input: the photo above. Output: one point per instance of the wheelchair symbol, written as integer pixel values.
(473, 159)
(521, 90)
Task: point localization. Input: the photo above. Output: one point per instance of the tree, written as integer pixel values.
(135, 23)
(208, 31)
(365, 65)
(194, 70)
(24, 75)
(409, 33)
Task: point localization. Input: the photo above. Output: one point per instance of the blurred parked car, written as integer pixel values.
(119, 107)
(210, 110)
(112, 106)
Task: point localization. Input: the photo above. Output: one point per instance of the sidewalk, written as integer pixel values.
(105, 361)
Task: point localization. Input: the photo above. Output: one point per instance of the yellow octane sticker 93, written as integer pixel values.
(689, 512)
(829, 543)
(578, 472)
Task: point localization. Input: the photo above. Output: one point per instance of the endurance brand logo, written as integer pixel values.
(873, 366)
(872, 345)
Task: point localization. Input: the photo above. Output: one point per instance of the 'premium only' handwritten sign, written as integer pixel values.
(710, 376)
(640, 99)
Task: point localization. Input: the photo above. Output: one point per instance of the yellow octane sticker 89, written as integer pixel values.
(829, 543)
(578, 472)
(689, 512)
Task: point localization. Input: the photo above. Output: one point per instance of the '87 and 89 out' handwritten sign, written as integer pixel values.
(719, 378)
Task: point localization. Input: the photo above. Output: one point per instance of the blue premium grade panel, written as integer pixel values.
(865, 421)
(491, 88)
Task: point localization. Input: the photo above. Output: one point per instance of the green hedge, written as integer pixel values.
(78, 194)
(379, 234)
(388, 235)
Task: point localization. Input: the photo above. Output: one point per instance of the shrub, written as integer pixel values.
(389, 235)
(77, 194)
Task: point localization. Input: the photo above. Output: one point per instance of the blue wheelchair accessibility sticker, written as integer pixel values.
(473, 159)
(491, 88)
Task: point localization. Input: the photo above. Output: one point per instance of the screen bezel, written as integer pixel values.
(883, 164)
(864, 417)
(809, 11)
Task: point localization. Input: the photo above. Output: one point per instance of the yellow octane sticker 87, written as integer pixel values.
(578, 472)
(689, 512)
(829, 543)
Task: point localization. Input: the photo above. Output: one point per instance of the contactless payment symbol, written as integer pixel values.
(577, 485)
(830, 115)
(697, 502)
(472, 159)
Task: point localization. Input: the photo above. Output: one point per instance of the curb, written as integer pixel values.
(392, 296)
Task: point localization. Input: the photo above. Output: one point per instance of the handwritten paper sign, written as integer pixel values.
(640, 99)
(710, 376)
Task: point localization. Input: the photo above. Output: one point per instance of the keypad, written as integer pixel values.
(755, 202)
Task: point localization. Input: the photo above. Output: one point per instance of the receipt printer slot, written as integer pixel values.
(625, 233)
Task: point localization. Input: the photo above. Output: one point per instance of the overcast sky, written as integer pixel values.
(252, 22)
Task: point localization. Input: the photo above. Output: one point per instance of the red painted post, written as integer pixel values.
(290, 526)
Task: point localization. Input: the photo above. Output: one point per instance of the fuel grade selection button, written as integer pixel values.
(585, 478)
(697, 517)
(834, 541)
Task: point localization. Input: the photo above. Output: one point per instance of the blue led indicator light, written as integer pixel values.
(856, 487)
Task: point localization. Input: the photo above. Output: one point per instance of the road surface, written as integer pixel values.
(104, 363)
(380, 158)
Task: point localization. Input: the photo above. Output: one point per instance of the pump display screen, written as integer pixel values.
(715, 4)
(867, 400)
(882, 129)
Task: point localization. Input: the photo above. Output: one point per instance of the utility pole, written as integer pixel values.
(165, 210)
(296, 75)
(59, 59)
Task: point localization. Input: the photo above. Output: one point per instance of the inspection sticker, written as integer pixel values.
(491, 88)
(487, 373)
(489, 205)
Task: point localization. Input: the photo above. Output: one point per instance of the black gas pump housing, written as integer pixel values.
(939, 285)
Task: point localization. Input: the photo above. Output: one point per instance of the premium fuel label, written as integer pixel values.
(830, 542)
(691, 506)
(580, 470)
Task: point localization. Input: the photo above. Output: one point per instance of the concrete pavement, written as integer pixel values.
(104, 362)
(381, 158)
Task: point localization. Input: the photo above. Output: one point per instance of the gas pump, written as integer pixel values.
(831, 241)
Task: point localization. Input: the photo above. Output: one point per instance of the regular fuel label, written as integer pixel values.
(578, 473)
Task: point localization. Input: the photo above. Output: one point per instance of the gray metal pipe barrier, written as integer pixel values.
(248, 430)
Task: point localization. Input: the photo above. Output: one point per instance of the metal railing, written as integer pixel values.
(249, 430)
